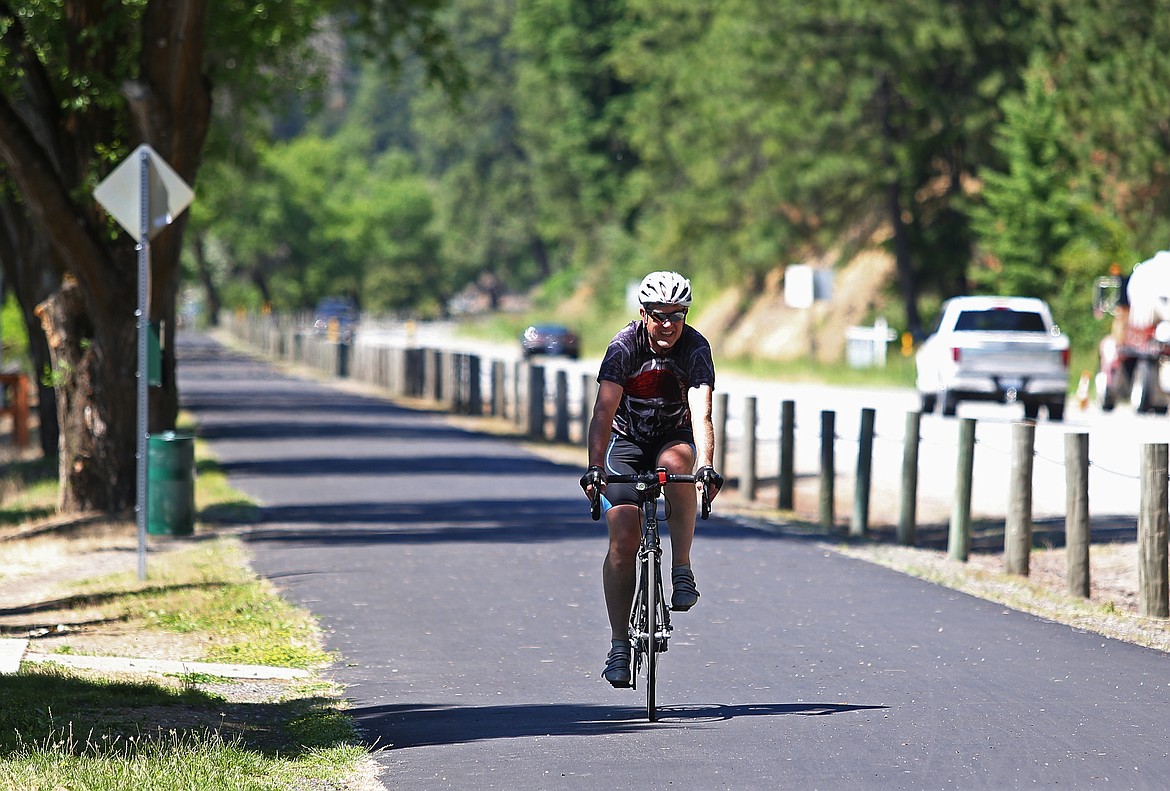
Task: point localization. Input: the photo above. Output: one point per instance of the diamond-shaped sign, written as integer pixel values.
(120, 193)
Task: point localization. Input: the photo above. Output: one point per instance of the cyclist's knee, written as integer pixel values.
(678, 458)
(624, 530)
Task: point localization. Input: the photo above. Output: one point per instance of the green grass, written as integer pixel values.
(28, 491)
(898, 371)
(61, 731)
(67, 729)
(216, 502)
(206, 589)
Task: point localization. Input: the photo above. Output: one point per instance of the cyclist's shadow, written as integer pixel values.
(399, 726)
(716, 712)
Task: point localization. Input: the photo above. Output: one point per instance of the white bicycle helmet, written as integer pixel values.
(665, 288)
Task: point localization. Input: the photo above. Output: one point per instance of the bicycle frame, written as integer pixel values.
(649, 616)
(650, 627)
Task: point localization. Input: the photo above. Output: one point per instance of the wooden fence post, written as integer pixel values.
(561, 424)
(787, 475)
(435, 374)
(415, 363)
(588, 397)
(908, 515)
(1017, 539)
(828, 436)
(859, 526)
(719, 418)
(458, 395)
(1077, 530)
(959, 540)
(474, 386)
(1153, 591)
(747, 479)
(520, 370)
(536, 401)
(499, 399)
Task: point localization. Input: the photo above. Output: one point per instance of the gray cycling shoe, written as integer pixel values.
(683, 593)
(617, 666)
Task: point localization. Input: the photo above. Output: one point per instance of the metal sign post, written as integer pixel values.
(144, 195)
(142, 314)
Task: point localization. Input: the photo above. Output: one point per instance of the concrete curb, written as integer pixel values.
(12, 653)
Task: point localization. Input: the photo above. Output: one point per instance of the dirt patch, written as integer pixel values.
(768, 328)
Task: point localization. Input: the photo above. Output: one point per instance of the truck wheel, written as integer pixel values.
(928, 402)
(950, 403)
(1031, 410)
(1108, 400)
(1056, 411)
(1144, 382)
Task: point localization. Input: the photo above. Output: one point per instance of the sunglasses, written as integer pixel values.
(662, 317)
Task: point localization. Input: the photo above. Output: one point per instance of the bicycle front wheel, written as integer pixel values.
(650, 573)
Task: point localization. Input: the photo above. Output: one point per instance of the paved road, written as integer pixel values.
(457, 577)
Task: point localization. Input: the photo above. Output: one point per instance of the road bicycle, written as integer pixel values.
(649, 616)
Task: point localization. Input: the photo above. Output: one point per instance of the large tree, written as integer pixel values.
(83, 82)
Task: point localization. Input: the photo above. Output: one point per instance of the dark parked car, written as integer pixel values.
(550, 339)
(336, 314)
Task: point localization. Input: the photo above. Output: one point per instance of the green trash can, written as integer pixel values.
(170, 484)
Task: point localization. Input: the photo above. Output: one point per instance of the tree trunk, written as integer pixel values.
(30, 273)
(96, 403)
(210, 289)
(48, 429)
(903, 261)
(907, 281)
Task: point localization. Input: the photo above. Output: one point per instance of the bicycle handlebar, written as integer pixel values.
(645, 481)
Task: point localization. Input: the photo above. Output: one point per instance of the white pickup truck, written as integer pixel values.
(1004, 349)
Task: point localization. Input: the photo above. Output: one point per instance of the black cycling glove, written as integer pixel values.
(711, 480)
(594, 476)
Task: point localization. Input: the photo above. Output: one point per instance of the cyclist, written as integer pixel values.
(653, 409)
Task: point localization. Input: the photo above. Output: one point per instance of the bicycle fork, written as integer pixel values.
(650, 560)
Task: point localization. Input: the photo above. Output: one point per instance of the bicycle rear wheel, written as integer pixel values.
(653, 587)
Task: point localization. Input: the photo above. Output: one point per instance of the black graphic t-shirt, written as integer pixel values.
(655, 399)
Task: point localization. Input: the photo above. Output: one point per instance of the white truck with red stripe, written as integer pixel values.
(1003, 349)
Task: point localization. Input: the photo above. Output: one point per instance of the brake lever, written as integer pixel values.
(595, 505)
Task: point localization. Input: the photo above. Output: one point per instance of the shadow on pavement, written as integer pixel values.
(500, 521)
(400, 726)
(317, 466)
(987, 536)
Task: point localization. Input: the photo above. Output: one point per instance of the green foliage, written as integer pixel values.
(1040, 226)
(13, 334)
(1016, 146)
(1109, 63)
(1030, 213)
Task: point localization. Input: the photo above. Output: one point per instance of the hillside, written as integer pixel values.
(765, 327)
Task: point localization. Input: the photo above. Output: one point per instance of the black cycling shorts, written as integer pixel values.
(624, 456)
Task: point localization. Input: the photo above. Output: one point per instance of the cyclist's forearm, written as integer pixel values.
(703, 425)
(704, 444)
(599, 431)
(605, 407)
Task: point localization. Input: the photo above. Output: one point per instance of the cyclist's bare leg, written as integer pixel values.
(619, 572)
(679, 458)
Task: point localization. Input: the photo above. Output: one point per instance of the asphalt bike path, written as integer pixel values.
(457, 577)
